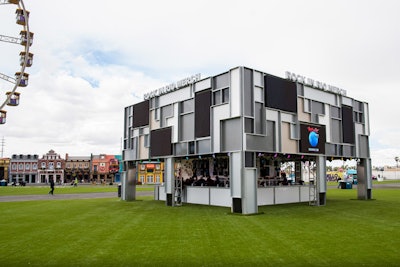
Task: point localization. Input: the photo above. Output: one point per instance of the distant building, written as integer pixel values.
(51, 166)
(104, 168)
(77, 167)
(24, 168)
(150, 172)
(4, 168)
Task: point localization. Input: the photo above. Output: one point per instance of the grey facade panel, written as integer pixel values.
(204, 146)
(231, 134)
(248, 97)
(181, 149)
(221, 81)
(364, 147)
(186, 127)
(257, 143)
(336, 131)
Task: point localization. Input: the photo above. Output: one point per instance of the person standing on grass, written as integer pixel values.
(51, 186)
(76, 182)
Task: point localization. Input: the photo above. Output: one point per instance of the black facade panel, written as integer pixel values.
(348, 125)
(141, 113)
(202, 104)
(160, 142)
(280, 94)
(237, 205)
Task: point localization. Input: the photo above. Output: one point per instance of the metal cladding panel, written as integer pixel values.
(231, 134)
(203, 85)
(236, 92)
(160, 141)
(319, 95)
(141, 114)
(202, 114)
(348, 125)
(236, 174)
(175, 96)
(219, 113)
(280, 93)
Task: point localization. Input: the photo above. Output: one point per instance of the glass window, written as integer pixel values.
(43, 165)
(217, 97)
(14, 166)
(225, 95)
(21, 166)
(27, 166)
(34, 166)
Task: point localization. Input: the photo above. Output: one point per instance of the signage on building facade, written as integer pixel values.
(173, 86)
(313, 83)
(313, 138)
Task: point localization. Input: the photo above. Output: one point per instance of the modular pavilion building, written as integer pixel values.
(236, 138)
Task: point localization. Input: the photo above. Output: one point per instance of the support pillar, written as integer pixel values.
(243, 179)
(321, 180)
(169, 178)
(364, 179)
(129, 182)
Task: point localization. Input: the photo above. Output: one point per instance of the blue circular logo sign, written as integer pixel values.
(313, 139)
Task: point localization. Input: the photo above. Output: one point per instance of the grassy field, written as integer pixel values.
(110, 232)
(65, 189)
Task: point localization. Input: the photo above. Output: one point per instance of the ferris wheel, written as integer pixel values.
(20, 78)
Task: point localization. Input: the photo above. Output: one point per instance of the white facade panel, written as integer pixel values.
(175, 96)
(347, 101)
(219, 113)
(325, 119)
(203, 85)
(265, 196)
(236, 93)
(287, 194)
(259, 94)
(366, 117)
(319, 95)
(197, 195)
(236, 174)
(258, 78)
(220, 196)
(272, 115)
(285, 117)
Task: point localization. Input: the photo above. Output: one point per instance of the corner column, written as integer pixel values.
(364, 179)
(321, 180)
(169, 176)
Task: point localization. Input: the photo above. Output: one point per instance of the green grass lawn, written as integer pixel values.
(111, 232)
(65, 189)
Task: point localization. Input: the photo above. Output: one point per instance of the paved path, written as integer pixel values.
(69, 196)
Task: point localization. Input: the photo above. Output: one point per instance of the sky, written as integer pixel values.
(93, 58)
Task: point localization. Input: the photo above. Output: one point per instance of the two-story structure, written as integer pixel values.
(24, 168)
(224, 139)
(105, 168)
(77, 167)
(4, 169)
(51, 166)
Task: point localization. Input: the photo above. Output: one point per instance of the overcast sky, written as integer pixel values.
(93, 58)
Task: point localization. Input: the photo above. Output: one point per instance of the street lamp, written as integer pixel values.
(397, 166)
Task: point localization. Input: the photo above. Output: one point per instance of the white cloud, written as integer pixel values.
(93, 58)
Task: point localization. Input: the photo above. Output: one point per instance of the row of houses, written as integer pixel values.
(33, 169)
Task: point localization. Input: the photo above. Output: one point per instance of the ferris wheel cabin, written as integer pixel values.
(24, 38)
(26, 57)
(14, 98)
(3, 115)
(21, 20)
(24, 78)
